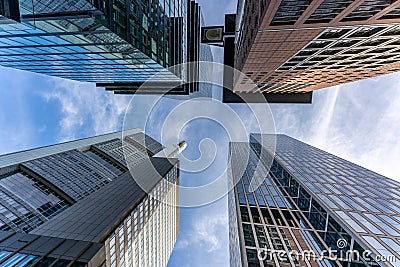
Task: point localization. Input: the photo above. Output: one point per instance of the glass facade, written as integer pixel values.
(23, 250)
(186, 28)
(289, 12)
(115, 149)
(87, 41)
(89, 178)
(145, 141)
(205, 72)
(110, 42)
(147, 236)
(328, 10)
(308, 201)
(26, 198)
(367, 9)
(34, 191)
(82, 144)
(246, 22)
(73, 172)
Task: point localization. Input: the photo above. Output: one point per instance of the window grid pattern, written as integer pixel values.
(105, 161)
(19, 259)
(16, 216)
(264, 56)
(336, 56)
(369, 209)
(45, 6)
(147, 236)
(268, 218)
(147, 142)
(85, 49)
(289, 12)
(328, 10)
(32, 250)
(37, 203)
(73, 171)
(82, 144)
(394, 14)
(123, 151)
(84, 55)
(26, 202)
(247, 21)
(367, 9)
(348, 48)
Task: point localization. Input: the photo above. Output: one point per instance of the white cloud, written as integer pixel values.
(321, 124)
(86, 109)
(207, 231)
(203, 240)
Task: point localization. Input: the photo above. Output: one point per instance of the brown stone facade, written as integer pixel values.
(298, 46)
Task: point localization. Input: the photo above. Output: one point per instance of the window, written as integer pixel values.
(333, 33)
(318, 44)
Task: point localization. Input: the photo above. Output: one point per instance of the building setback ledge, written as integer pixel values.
(276, 98)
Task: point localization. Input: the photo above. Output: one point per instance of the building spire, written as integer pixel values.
(172, 151)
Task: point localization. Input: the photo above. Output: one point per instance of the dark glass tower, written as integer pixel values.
(76, 203)
(113, 43)
(308, 202)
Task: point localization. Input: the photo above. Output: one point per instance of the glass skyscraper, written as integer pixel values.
(77, 204)
(113, 43)
(311, 208)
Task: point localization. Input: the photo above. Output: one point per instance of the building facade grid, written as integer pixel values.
(299, 46)
(310, 199)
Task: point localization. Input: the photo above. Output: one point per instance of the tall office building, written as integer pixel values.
(113, 43)
(76, 204)
(307, 202)
(295, 47)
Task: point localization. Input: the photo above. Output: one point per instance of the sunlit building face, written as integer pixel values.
(77, 203)
(309, 202)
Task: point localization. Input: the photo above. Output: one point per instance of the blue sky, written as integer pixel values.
(358, 121)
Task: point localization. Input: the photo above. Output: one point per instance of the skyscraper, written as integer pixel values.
(309, 204)
(296, 47)
(76, 203)
(115, 44)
